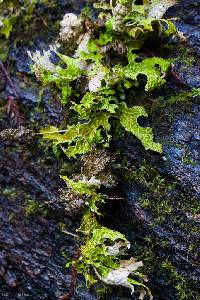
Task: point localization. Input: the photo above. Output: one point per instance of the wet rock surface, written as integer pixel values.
(33, 249)
(171, 237)
(32, 254)
(181, 146)
(182, 150)
(187, 13)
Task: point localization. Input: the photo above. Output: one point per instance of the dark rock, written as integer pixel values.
(188, 12)
(189, 76)
(192, 34)
(83, 294)
(10, 279)
(32, 264)
(21, 59)
(27, 95)
(181, 150)
(2, 271)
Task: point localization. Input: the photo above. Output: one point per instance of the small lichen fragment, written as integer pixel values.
(42, 61)
(117, 248)
(73, 203)
(18, 134)
(158, 10)
(120, 275)
(96, 164)
(71, 28)
(95, 82)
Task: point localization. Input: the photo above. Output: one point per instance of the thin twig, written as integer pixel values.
(12, 110)
(43, 20)
(69, 233)
(73, 283)
(9, 79)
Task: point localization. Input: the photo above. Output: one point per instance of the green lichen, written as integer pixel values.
(17, 18)
(80, 137)
(153, 69)
(102, 103)
(101, 256)
(93, 82)
(94, 253)
(128, 119)
(63, 76)
(89, 189)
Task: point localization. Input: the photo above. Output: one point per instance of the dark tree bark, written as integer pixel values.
(33, 249)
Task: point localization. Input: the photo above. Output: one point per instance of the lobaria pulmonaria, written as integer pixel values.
(101, 62)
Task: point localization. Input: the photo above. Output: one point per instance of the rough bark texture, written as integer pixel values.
(33, 249)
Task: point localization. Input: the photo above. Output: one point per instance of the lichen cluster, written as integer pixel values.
(11, 13)
(100, 84)
(99, 63)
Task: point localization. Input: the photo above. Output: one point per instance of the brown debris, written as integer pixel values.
(10, 279)
(73, 203)
(18, 134)
(73, 283)
(118, 47)
(95, 164)
(12, 110)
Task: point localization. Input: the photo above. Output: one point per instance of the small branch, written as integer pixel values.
(43, 20)
(69, 233)
(9, 79)
(116, 198)
(12, 110)
(73, 283)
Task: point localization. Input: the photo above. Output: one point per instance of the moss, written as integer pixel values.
(10, 193)
(161, 196)
(156, 265)
(163, 199)
(178, 280)
(33, 208)
(185, 55)
(161, 210)
(189, 161)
